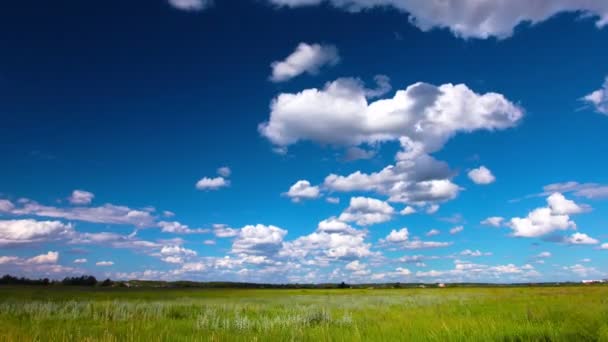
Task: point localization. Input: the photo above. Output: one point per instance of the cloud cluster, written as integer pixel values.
(16, 232)
(472, 18)
(307, 58)
(302, 190)
(482, 176)
(367, 211)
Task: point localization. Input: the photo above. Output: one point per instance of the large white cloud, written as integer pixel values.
(14, 232)
(545, 220)
(307, 58)
(599, 99)
(259, 239)
(424, 114)
(301, 190)
(366, 211)
(473, 18)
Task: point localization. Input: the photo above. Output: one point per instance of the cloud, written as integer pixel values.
(604, 246)
(259, 240)
(81, 197)
(6, 206)
(328, 245)
(542, 221)
(456, 230)
(333, 200)
(223, 231)
(544, 255)
(408, 210)
(580, 239)
(104, 263)
(475, 253)
(107, 213)
(472, 19)
(16, 232)
(581, 270)
(49, 258)
(426, 115)
(216, 183)
(334, 225)
(302, 190)
(357, 153)
(432, 232)
(419, 244)
(191, 5)
(176, 254)
(179, 228)
(224, 171)
(599, 98)
(482, 176)
(367, 211)
(494, 221)
(80, 261)
(586, 190)
(209, 242)
(395, 236)
(307, 58)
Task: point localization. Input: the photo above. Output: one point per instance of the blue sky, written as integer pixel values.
(305, 141)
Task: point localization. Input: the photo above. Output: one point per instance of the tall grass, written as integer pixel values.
(452, 314)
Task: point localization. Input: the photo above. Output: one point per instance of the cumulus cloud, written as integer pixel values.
(599, 98)
(81, 197)
(581, 239)
(473, 18)
(207, 183)
(307, 58)
(542, 221)
(408, 210)
(176, 254)
(48, 258)
(482, 176)
(191, 5)
(224, 171)
(397, 236)
(15, 232)
(301, 190)
(367, 211)
(223, 231)
(6, 206)
(258, 240)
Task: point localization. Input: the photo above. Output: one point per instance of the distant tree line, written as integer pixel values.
(85, 280)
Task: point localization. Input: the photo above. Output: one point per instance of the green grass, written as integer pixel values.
(452, 314)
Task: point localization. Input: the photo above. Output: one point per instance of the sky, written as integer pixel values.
(305, 141)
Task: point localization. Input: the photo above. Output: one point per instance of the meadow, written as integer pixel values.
(561, 313)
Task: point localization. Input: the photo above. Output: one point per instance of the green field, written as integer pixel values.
(576, 313)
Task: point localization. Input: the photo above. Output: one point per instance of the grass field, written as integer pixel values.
(577, 313)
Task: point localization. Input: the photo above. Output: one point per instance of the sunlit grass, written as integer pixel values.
(451, 314)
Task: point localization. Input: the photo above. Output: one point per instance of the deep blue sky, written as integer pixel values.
(136, 101)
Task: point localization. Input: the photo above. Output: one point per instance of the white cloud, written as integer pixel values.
(216, 183)
(209, 242)
(333, 246)
(179, 228)
(542, 221)
(333, 200)
(494, 221)
(408, 210)
(432, 232)
(481, 175)
(604, 246)
(49, 258)
(223, 231)
(176, 254)
(456, 230)
(107, 213)
(9, 260)
(473, 18)
(302, 190)
(191, 5)
(104, 263)
(13, 232)
(307, 58)
(419, 244)
(80, 261)
(544, 255)
(399, 236)
(599, 98)
(475, 253)
(259, 240)
(334, 225)
(580, 239)
(562, 206)
(581, 270)
(367, 211)
(224, 171)
(81, 197)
